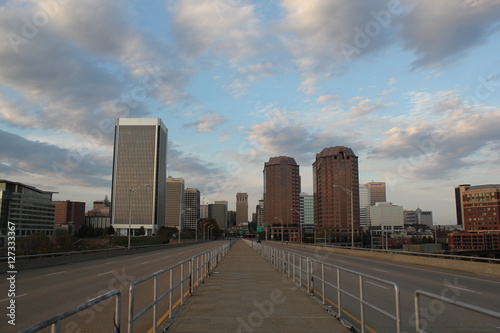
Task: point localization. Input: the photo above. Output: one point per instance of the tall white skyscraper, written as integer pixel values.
(139, 172)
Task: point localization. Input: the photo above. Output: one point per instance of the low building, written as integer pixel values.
(474, 241)
(386, 215)
(69, 215)
(28, 208)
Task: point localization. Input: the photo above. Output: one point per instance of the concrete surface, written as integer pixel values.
(247, 294)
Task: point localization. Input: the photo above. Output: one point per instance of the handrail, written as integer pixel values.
(467, 306)
(292, 264)
(198, 268)
(55, 321)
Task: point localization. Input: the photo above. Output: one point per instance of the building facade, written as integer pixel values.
(307, 211)
(69, 215)
(364, 206)
(218, 211)
(377, 192)
(335, 170)
(139, 173)
(481, 208)
(387, 215)
(281, 191)
(29, 208)
(191, 209)
(418, 216)
(241, 207)
(174, 203)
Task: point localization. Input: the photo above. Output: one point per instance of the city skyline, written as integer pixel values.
(412, 87)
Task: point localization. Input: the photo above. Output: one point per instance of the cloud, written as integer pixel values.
(20, 157)
(207, 124)
(326, 98)
(367, 106)
(83, 64)
(440, 32)
(442, 146)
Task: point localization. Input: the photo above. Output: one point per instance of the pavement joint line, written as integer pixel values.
(6, 299)
(55, 273)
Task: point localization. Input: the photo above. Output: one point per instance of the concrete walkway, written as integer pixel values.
(247, 294)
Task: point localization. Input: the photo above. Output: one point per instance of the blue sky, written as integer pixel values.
(413, 87)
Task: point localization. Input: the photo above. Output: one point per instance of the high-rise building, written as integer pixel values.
(377, 192)
(418, 216)
(139, 173)
(459, 191)
(259, 210)
(480, 208)
(69, 215)
(307, 211)
(218, 211)
(29, 208)
(281, 191)
(364, 205)
(241, 207)
(174, 206)
(191, 209)
(335, 170)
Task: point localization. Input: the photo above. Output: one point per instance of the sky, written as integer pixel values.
(412, 87)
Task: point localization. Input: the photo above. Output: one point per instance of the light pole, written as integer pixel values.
(205, 225)
(300, 223)
(210, 230)
(131, 192)
(352, 213)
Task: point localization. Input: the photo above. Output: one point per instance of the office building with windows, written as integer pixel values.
(139, 173)
(191, 209)
(336, 185)
(28, 208)
(241, 208)
(174, 205)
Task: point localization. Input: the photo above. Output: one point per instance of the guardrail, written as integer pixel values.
(55, 322)
(410, 253)
(463, 305)
(183, 279)
(304, 271)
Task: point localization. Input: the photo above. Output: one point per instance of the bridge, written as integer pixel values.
(254, 287)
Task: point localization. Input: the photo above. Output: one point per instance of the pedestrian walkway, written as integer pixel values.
(247, 294)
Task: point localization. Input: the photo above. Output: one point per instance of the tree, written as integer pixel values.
(63, 240)
(141, 231)
(110, 230)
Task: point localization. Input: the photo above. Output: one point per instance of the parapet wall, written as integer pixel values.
(459, 265)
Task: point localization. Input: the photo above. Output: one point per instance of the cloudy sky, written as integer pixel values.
(413, 87)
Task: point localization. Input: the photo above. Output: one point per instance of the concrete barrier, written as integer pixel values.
(25, 264)
(459, 265)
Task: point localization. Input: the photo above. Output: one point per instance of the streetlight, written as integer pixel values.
(300, 223)
(131, 192)
(352, 213)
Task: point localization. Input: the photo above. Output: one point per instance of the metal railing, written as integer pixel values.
(55, 322)
(310, 274)
(463, 305)
(183, 278)
(416, 254)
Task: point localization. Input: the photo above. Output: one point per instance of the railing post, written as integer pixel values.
(417, 313)
(361, 304)
(182, 284)
(56, 327)
(339, 296)
(155, 297)
(131, 309)
(191, 276)
(323, 282)
(118, 311)
(170, 296)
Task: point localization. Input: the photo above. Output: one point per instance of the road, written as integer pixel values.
(45, 292)
(438, 316)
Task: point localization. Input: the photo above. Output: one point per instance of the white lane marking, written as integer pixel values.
(6, 299)
(104, 273)
(166, 257)
(340, 260)
(145, 262)
(139, 257)
(376, 284)
(55, 273)
(109, 262)
(464, 289)
(380, 270)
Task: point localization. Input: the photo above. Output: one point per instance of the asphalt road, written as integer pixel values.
(437, 316)
(45, 292)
